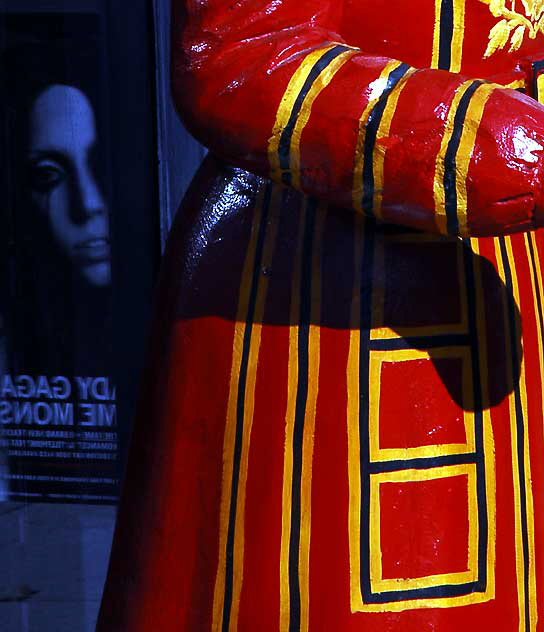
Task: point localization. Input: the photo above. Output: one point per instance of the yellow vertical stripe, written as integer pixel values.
(489, 440)
(440, 167)
(380, 148)
(540, 88)
(463, 156)
(230, 427)
(294, 88)
(287, 104)
(231, 422)
(292, 384)
(536, 284)
(354, 447)
(527, 457)
(308, 431)
(456, 43)
(287, 494)
(520, 557)
(515, 461)
(466, 149)
(458, 35)
(309, 423)
(436, 33)
(378, 87)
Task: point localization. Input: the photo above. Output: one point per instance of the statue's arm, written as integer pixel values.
(270, 85)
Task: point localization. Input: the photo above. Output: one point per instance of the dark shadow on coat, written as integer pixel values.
(429, 293)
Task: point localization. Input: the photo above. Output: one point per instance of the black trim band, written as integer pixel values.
(284, 149)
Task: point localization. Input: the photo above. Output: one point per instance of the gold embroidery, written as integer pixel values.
(514, 26)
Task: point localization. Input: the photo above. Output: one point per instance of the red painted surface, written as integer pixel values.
(409, 419)
(320, 283)
(441, 542)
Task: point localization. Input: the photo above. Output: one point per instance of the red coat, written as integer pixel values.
(342, 421)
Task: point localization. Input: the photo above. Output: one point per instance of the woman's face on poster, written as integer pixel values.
(61, 155)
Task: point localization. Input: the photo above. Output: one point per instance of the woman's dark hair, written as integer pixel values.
(47, 300)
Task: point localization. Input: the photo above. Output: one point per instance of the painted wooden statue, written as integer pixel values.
(342, 421)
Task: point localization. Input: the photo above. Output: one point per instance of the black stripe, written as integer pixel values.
(365, 292)
(372, 127)
(300, 412)
(520, 426)
(450, 159)
(284, 149)
(446, 35)
(434, 592)
(481, 489)
(537, 289)
(420, 342)
(422, 463)
(239, 435)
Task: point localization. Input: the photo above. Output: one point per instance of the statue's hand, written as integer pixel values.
(505, 185)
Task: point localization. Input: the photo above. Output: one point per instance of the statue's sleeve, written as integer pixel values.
(272, 86)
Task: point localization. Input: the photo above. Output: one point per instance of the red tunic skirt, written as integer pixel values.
(341, 426)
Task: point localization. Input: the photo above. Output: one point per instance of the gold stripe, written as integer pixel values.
(292, 383)
(230, 427)
(457, 39)
(527, 455)
(354, 446)
(489, 439)
(287, 494)
(309, 422)
(308, 431)
(514, 442)
(520, 559)
(458, 35)
(517, 83)
(379, 86)
(380, 149)
(288, 102)
(249, 404)
(440, 168)
(436, 34)
(464, 154)
(536, 286)
(537, 283)
(540, 88)
(466, 148)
